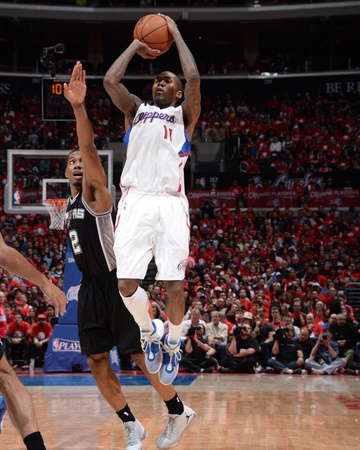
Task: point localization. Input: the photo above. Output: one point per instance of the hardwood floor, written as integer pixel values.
(234, 412)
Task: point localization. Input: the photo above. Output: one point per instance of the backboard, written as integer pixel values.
(33, 175)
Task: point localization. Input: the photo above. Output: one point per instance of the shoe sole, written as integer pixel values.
(169, 382)
(177, 369)
(192, 421)
(144, 436)
(160, 364)
(159, 326)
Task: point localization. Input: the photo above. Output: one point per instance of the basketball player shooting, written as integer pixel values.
(152, 218)
(103, 319)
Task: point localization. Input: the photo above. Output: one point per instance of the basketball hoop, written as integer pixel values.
(57, 209)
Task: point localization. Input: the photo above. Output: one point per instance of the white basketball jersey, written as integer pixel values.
(157, 151)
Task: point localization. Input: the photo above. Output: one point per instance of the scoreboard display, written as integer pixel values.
(54, 105)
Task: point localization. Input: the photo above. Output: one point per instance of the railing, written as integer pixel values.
(352, 291)
(161, 3)
(187, 10)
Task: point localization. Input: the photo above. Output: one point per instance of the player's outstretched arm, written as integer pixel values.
(14, 262)
(192, 96)
(94, 178)
(126, 102)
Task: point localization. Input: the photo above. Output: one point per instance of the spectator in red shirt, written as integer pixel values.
(315, 293)
(315, 329)
(9, 314)
(18, 335)
(276, 316)
(297, 307)
(41, 334)
(321, 317)
(245, 300)
(202, 259)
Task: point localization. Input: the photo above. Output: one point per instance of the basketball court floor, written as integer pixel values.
(234, 412)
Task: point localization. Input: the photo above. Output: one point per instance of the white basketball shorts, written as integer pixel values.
(147, 225)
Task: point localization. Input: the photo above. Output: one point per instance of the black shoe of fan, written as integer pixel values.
(223, 369)
(268, 370)
(207, 370)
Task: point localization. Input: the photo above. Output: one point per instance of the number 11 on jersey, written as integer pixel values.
(168, 133)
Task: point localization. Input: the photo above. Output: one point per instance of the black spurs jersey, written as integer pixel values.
(91, 236)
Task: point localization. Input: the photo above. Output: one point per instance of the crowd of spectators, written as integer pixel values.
(248, 274)
(293, 271)
(242, 263)
(27, 316)
(291, 135)
(288, 135)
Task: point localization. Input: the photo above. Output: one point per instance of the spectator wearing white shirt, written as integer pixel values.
(193, 321)
(217, 335)
(275, 146)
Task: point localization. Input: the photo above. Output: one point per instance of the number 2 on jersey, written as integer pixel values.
(168, 133)
(75, 242)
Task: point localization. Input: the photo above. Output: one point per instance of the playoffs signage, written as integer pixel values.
(197, 198)
(338, 197)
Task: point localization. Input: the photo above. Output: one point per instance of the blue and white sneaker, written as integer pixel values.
(151, 344)
(171, 359)
(2, 411)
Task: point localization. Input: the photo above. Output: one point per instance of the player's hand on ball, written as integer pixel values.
(145, 51)
(172, 27)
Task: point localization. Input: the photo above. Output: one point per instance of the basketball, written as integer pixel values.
(153, 31)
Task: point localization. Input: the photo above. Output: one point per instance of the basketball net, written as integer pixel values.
(57, 209)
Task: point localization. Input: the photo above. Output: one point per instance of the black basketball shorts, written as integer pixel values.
(103, 319)
(1, 350)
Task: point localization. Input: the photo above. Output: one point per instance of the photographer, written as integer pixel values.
(198, 354)
(264, 334)
(324, 357)
(241, 350)
(289, 357)
(192, 322)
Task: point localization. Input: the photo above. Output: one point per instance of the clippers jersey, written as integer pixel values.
(96, 257)
(157, 151)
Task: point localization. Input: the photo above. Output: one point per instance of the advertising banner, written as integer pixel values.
(197, 198)
(338, 197)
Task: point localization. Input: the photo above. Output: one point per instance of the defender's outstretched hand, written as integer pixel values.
(75, 91)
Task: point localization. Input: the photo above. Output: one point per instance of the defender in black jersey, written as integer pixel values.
(103, 319)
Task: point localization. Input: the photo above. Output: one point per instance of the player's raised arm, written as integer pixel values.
(192, 96)
(94, 177)
(126, 102)
(14, 262)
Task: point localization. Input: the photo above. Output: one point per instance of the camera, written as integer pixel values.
(48, 52)
(280, 334)
(325, 337)
(237, 330)
(47, 57)
(192, 329)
